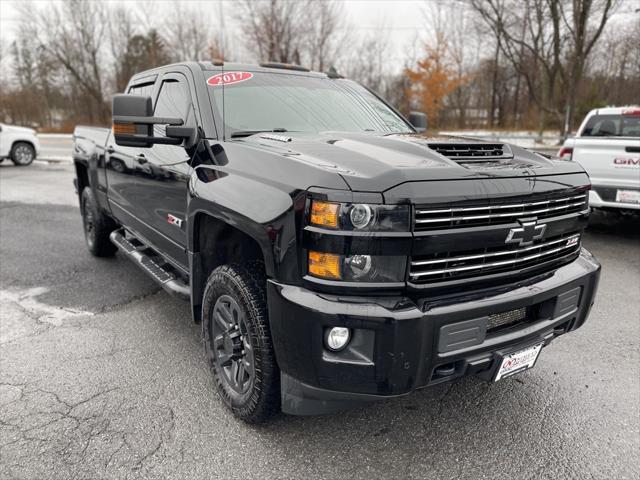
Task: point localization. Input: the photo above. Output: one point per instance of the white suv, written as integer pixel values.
(607, 145)
(20, 144)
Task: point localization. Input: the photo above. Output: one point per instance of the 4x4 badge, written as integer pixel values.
(529, 231)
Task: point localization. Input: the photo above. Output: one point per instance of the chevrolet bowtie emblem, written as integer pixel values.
(529, 231)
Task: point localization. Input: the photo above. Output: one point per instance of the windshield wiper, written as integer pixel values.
(248, 133)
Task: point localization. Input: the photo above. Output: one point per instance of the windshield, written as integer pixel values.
(257, 102)
(612, 126)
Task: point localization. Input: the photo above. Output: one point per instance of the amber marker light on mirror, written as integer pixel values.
(324, 214)
(324, 265)
(124, 128)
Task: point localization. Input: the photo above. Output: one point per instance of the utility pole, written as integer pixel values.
(221, 35)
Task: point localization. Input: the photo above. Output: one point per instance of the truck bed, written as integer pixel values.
(86, 139)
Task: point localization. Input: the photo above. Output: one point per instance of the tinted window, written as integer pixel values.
(300, 103)
(173, 99)
(145, 89)
(612, 126)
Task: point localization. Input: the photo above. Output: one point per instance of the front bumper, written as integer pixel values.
(398, 343)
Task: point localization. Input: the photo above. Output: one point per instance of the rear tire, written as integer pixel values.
(22, 154)
(238, 342)
(97, 226)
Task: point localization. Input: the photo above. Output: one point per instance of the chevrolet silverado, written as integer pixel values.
(332, 251)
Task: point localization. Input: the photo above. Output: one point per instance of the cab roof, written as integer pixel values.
(267, 67)
(614, 110)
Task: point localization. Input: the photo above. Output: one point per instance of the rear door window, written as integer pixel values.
(173, 100)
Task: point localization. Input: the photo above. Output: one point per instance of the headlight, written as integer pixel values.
(359, 216)
(357, 268)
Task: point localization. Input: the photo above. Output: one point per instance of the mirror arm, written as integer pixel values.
(180, 132)
(147, 120)
(150, 140)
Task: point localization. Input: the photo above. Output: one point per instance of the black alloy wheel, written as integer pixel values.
(97, 226)
(231, 345)
(238, 341)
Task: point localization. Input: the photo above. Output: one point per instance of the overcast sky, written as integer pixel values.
(400, 21)
(396, 19)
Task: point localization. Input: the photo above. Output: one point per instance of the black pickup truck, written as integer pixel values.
(332, 251)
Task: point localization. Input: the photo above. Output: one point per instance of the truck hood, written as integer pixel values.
(15, 129)
(375, 163)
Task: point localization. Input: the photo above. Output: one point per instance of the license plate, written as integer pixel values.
(628, 196)
(517, 362)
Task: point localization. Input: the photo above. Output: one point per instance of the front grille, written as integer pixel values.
(473, 152)
(428, 218)
(445, 266)
(497, 321)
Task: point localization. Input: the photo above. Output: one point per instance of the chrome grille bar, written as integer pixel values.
(524, 209)
(569, 247)
(493, 207)
(494, 254)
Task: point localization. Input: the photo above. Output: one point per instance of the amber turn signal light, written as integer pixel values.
(324, 265)
(324, 214)
(124, 128)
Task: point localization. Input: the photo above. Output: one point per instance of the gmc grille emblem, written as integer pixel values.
(529, 231)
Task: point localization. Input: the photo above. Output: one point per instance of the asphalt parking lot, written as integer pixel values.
(102, 375)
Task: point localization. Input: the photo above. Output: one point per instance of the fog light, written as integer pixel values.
(336, 338)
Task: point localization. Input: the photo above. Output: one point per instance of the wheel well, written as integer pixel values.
(218, 243)
(28, 142)
(82, 176)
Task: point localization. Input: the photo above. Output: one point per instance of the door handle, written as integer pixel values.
(141, 159)
(632, 149)
(110, 149)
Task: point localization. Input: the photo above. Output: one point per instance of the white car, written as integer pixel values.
(607, 145)
(20, 144)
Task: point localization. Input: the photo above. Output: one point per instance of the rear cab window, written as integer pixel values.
(620, 125)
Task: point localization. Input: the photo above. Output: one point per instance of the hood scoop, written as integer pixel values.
(276, 138)
(473, 152)
(482, 156)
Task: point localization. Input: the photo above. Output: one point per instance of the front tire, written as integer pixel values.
(238, 342)
(22, 154)
(97, 226)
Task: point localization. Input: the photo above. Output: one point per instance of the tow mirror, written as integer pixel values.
(419, 121)
(133, 123)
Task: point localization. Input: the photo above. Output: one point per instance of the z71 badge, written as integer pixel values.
(174, 220)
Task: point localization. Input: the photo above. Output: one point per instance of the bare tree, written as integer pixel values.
(449, 27)
(367, 63)
(616, 67)
(585, 21)
(558, 35)
(121, 30)
(275, 28)
(325, 21)
(190, 34)
(73, 34)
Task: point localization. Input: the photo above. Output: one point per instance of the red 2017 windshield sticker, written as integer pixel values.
(229, 78)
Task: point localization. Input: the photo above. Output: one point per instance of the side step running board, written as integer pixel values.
(167, 280)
